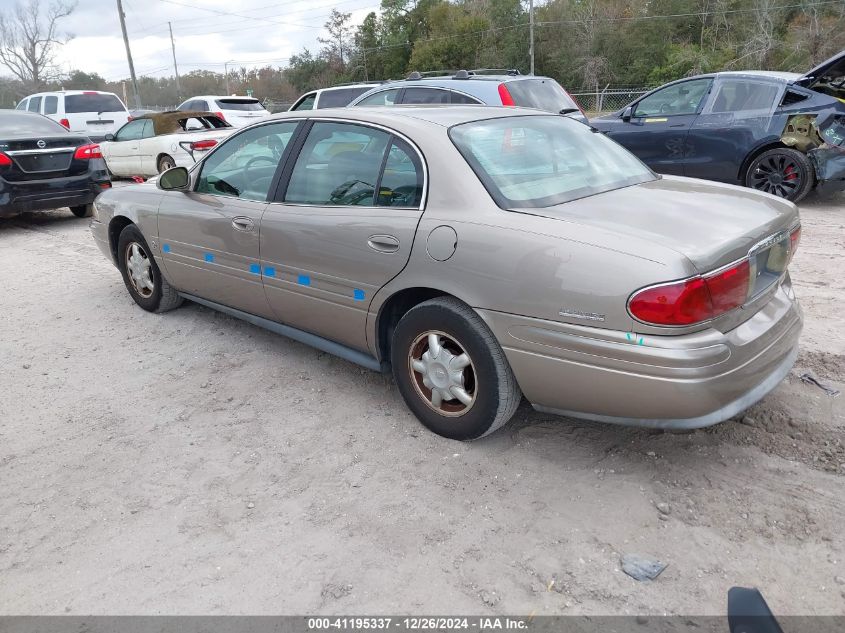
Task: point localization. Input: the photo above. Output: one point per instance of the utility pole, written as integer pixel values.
(531, 34)
(226, 75)
(175, 67)
(129, 55)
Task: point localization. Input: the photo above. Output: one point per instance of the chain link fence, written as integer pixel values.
(607, 100)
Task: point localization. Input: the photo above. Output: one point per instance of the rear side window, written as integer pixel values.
(51, 104)
(340, 98)
(425, 95)
(243, 105)
(542, 94)
(22, 105)
(541, 161)
(745, 95)
(93, 102)
(402, 180)
(34, 104)
(457, 97)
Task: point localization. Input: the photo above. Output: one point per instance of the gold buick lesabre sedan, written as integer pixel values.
(481, 255)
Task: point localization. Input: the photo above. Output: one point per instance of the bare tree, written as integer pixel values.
(340, 35)
(28, 39)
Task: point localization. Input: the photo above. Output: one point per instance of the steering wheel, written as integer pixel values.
(256, 159)
(665, 108)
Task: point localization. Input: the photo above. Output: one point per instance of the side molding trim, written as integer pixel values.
(318, 342)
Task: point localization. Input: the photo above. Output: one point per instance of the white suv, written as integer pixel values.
(335, 97)
(88, 112)
(237, 111)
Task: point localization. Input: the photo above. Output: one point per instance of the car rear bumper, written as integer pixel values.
(39, 195)
(673, 382)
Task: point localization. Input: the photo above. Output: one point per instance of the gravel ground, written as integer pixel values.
(192, 463)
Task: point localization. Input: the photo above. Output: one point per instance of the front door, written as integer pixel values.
(121, 154)
(343, 228)
(659, 125)
(209, 237)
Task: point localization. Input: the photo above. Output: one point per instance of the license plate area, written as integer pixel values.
(33, 163)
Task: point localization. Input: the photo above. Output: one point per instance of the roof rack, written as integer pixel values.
(428, 73)
(495, 71)
(375, 82)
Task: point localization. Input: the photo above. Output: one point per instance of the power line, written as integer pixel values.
(239, 15)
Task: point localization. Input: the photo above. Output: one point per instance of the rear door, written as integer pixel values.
(210, 236)
(659, 125)
(95, 113)
(330, 241)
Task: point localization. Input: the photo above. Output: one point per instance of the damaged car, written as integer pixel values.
(781, 133)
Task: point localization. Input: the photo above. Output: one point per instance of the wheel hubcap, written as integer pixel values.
(442, 373)
(778, 175)
(140, 270)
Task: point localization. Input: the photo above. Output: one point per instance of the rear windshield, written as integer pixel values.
(93, 103)
(20, 123)
(540, 161)
(542, 94)
(239, 104)
(340, 98)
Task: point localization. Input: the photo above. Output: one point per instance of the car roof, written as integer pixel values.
(367, 84)
(443, 116)
(220, 97)
(68, 92)
(770, 74)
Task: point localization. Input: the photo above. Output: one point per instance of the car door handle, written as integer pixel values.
(242, 224)
(383, 243)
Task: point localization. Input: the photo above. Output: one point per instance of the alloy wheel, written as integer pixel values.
(443, 373)
(779, 175)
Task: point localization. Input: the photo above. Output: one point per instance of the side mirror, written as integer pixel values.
(627, 113)
(174, 179)
(109, 137)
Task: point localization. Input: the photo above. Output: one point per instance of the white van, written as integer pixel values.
(88, 112)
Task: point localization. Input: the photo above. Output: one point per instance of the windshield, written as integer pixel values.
(93, 102)
(542, 94)
(540, 161)
(249, 105)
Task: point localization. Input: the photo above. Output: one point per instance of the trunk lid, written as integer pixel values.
(45, 157)
(827, 77)
(711, 224)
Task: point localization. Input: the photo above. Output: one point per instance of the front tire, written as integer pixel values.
(783, 172)
(451, 370)
(165, 162)
(83, 210)
(141, 274)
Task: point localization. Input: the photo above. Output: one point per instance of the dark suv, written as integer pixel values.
(482, 86)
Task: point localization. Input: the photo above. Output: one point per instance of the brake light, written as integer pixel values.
(130, 118)
(65, 123)
(203, 145)
(505, 96)
(87, 152)
(794, 240)
(90, 92)
(220, 114)
(693, 300)
(5, 161)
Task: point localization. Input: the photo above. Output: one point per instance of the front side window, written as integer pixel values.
(51, 104)
(35, 104)
(244, 166)
(540, 161)
(745, 95)
(677, 99)
(383, 98)
(306, 103)
(132, 131)
(339, 165)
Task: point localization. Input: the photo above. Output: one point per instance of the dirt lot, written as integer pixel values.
(191, 463)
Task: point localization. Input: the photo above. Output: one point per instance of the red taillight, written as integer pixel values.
(130, 118)
(5, 161)
(203, 145)
(65, 122)
(693, 300)
(90, 92)
(794, 240)
(578, 105)
(87, 152)
(505, 96)
(220, 114)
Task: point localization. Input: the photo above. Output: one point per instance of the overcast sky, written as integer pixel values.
(207, 33)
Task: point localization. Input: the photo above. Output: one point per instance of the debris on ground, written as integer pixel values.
(642, 568)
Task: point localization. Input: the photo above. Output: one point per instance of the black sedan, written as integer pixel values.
(781, 133)
(44, 166)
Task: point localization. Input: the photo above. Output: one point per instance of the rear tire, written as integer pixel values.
(451, 370)
(783, 172)
(141, 274)
(83, 210)
(165, 162)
